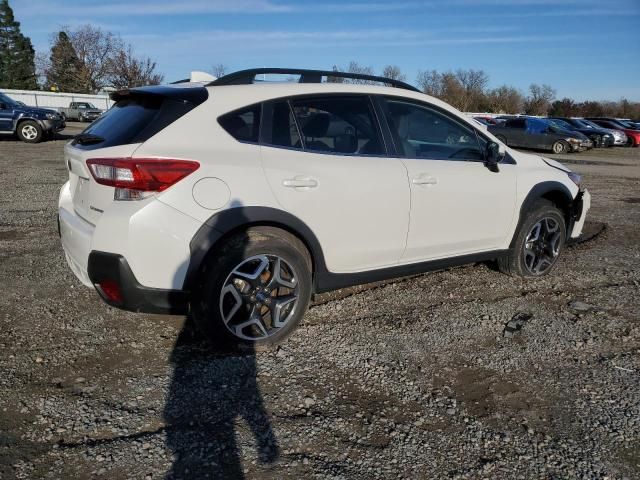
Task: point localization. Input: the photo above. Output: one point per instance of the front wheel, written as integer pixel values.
(560, 147)
(30, 132)
(255, 290)
(538, 243)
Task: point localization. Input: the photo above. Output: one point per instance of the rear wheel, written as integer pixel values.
(30, 132)
(631, 142)
(254, 292)
(538, 243)
(560, 147)
(502, 138)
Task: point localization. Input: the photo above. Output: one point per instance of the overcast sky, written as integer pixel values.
(583, 48)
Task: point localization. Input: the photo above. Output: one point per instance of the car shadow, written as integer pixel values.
(213, 392)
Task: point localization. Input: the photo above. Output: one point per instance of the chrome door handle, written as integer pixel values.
(300, 182)
(424, 180)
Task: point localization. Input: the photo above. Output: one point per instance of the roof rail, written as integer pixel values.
(246, 77)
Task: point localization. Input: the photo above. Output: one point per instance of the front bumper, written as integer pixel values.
(579, 209)
(53, 125)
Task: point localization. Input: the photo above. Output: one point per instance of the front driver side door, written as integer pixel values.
(458, 206)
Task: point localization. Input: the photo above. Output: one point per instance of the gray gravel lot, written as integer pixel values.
(413, 379)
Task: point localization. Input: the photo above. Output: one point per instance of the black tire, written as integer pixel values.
(29, 131)
(560, 147)
(519, 263)
(244, 248)
(597, 141)
(502, 138)
(631, 142)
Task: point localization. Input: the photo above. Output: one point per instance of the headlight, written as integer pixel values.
(575, 141)
(52, 116)
(575, 178)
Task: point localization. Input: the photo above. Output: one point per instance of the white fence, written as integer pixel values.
(35, 98)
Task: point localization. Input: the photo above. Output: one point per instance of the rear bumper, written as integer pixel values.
(75, 235)
(103, 266)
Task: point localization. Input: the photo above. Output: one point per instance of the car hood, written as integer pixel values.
(572, 133)
(36, 111)
(555, 164)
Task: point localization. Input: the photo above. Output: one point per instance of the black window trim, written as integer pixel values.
(381, 100)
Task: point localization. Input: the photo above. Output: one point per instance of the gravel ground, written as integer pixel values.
(464, 373)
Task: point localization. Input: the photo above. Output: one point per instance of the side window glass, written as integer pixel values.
(536, 126)
(338, 125)
(243, 125)
(421, 132)
(284, 131)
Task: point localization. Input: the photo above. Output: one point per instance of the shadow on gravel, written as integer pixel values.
(209, 393)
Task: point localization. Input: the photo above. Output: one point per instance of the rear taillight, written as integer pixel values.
(133, 176)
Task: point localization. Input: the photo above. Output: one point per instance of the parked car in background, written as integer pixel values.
(619, 137)
(81, 112)
(485, 120)
(540, 134)
(633, 134)
(599, 136)
(30, 124)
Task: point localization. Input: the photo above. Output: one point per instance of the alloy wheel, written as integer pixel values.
(542, 246)
(259, 297)
(29, 132)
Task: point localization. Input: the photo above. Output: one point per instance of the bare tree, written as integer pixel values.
(539, 100)
(430, 82)
(393, 72)
(473, 83)
(125, 70)
(355, 67)
(505, 99)
(95, 49)
(219, 70)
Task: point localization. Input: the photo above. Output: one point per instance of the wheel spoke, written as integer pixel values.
(276, 279)
(230, 289)
(277, 306)
(254, 319)
(252, 277)
(535, 233)
(529, 258)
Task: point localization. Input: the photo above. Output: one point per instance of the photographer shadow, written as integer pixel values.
(212, 392)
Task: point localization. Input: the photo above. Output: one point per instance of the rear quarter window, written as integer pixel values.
(243, 124)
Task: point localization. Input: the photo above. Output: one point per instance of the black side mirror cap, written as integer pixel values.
(493, 156)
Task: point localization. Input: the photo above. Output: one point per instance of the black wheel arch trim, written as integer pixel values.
(225, 223)
(539, 191)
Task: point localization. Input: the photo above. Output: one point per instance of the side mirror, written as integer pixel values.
(493, 155)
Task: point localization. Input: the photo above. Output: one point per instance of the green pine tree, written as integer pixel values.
(65, 70)
(17, 57)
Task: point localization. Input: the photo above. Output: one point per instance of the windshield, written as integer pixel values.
(7, 100)
(582, 123)
(589, 123)
(561, 124)
(86, 105)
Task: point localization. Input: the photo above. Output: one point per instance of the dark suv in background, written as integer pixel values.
(599, 136)
(30, 124)
(539, 134)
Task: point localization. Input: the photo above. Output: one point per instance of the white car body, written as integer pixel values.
(368, 213)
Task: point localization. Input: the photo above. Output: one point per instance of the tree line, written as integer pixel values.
(88, 59)
(82, 60)
(468, 91)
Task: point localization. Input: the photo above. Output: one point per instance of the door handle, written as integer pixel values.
(424, 180)
(300, 182)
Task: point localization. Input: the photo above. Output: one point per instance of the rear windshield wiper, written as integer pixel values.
(87, 139)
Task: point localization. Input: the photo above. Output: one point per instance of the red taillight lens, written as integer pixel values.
(111, 290)
(143, 174)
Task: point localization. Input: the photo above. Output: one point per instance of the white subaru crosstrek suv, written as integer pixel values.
(239, 200)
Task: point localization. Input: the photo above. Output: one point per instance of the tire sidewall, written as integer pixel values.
(205, 307)
(565, 147)
(537, 213)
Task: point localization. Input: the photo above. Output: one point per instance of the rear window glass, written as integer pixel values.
(243, 125)
(284, 131)
(135, 120)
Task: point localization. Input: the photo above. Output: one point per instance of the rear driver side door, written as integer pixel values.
(326, 162)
